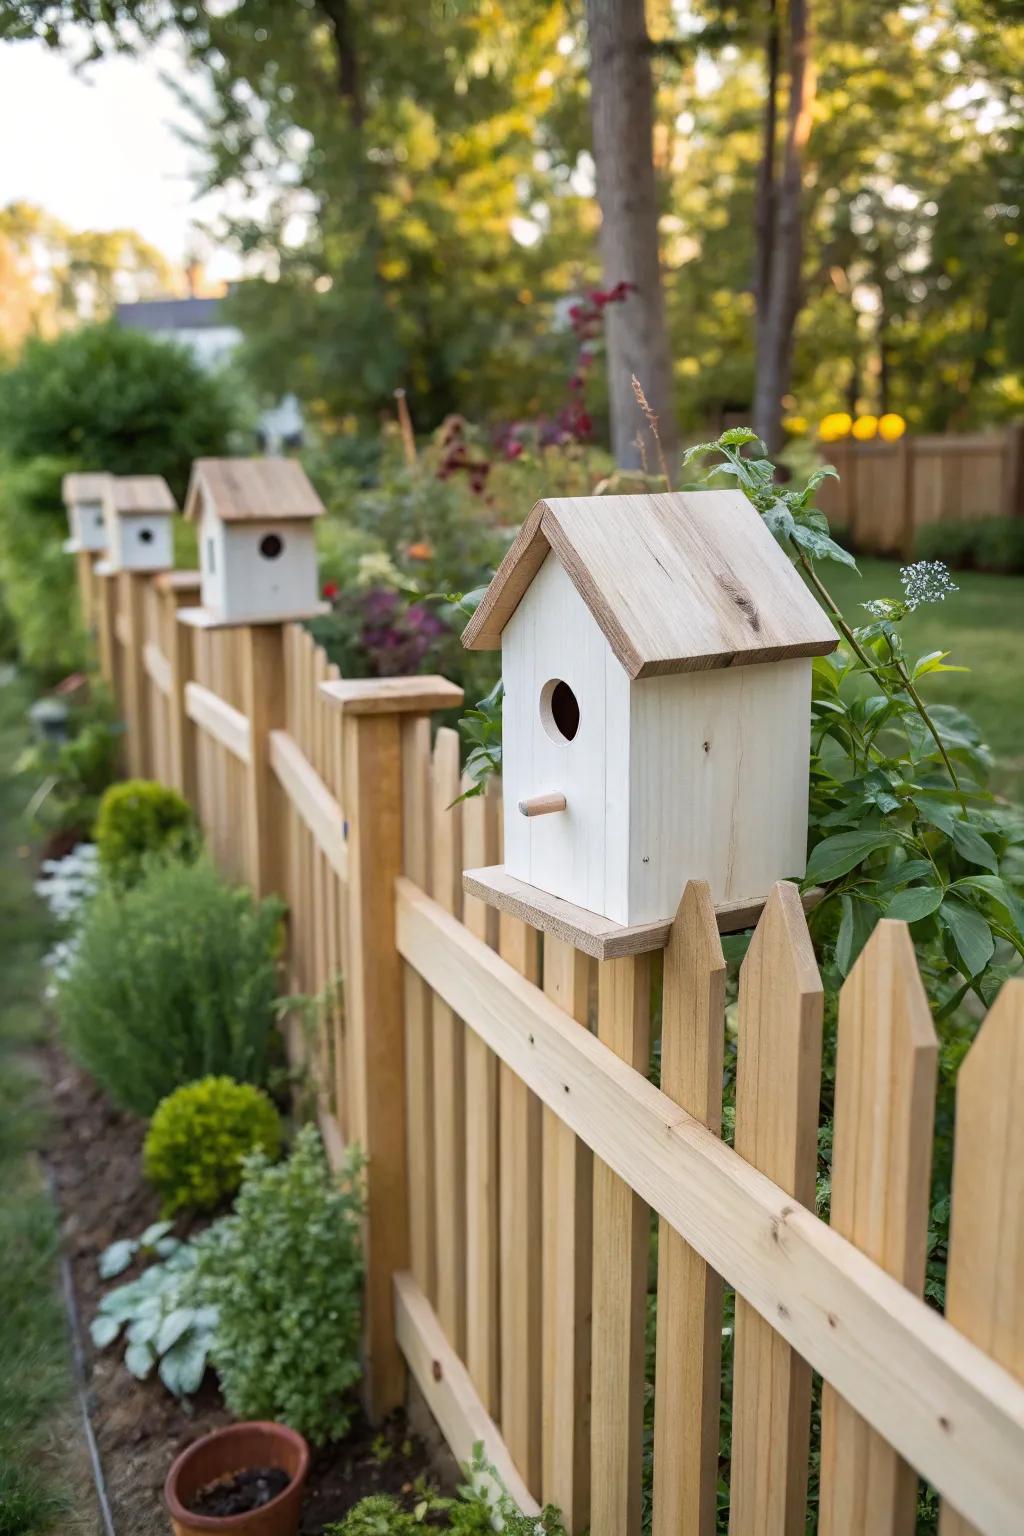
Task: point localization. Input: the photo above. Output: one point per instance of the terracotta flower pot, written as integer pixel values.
(239, 1448)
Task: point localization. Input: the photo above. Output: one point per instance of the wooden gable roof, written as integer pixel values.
(679, 582)
(83, 487)
(140, 495)
(252, 490)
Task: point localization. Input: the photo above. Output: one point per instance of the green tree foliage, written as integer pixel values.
(106, 398)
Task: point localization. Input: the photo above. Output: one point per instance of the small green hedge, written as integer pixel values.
(139, 820)
(988, 544)
(199, 1138)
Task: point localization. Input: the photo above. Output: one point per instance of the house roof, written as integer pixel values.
(170, 314)
(88, 487)
(679, 582)
(252, 490)
(139, 495)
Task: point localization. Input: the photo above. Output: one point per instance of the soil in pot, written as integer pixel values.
(239, 1492)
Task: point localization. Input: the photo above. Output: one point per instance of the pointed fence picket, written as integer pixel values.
(519, 1150)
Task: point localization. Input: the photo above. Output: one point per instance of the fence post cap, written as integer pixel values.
(392, 695)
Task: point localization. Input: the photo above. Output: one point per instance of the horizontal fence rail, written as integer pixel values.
(520, 1156)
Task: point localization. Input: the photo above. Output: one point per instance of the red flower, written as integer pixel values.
(331, 589)
(513, 448)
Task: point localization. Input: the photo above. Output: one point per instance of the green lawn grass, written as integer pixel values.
(36, 1416)
(983, 626)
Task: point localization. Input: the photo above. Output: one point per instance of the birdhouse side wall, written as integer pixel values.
(88, 525)
(211, 562)
(259, 587)
(579, 854)
(718, 780)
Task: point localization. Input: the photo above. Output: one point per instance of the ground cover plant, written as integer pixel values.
(284, 1271)
(172, 980)
(199, 1138)
(36, 1394)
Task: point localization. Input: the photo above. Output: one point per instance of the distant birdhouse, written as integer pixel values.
(139, 512)
(656, 656)
(257, 552)
(83, 497)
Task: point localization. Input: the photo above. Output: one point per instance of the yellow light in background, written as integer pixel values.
(834, 426)
(891, 427)
(865, 428)
(796, 426)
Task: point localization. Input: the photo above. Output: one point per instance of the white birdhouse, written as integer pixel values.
(139, 512)
(656, 657)
(83, 497)
(257, 551)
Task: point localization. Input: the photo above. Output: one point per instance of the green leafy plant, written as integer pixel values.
(482, 1505)
(163, 1325)
(199, 1138)
(902, 823)
(74, 775)
(138, 820)
(171, 981)
(285, 1272)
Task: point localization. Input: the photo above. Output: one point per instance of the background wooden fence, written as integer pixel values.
(519, 1152)
(888, 491)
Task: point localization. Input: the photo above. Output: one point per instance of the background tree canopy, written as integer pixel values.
(426, 189)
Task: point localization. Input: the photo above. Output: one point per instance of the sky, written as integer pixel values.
(98, 148)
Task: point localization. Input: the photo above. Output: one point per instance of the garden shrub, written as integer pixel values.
(171, 981)
(285, 1272)
(37, 579)
(982, 544)
(137, 820)
(199, 1138)
(73, 776)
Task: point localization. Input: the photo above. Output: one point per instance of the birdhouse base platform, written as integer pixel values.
(587, 931)
(203, 618)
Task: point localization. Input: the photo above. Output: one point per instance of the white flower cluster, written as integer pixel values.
(377, 569)
(65, 885)
(928, 581)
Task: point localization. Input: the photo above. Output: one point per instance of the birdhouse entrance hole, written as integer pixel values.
(271, 546)
(559, 710)
(145, 536)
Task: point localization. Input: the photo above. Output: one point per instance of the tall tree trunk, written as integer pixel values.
(622, 108)
(779, 220)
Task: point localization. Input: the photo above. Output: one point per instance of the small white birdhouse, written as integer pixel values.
(656, 656)
(83, 497)
(139, 512)
(257, 551)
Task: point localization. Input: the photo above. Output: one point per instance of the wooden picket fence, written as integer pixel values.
(887, 492)
(499, 1081)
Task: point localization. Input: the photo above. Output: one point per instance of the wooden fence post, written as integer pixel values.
(176, 589)
(130, 630)
(371, 723)
(263, 704)
(106, 627)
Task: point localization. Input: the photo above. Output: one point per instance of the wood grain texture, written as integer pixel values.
(449, 1392)
(222, 721)
(689, 1339)
(881, 1167)
(597, 936)
(419, 1029)
(376, 1060)
(393, 695)
(449, 1055)
(778, 1083)
(311, 797)
(138, 495)
(205, 618)
(520, 1236)
(677, 581)
(985, 1280)
(567, 1273)
(261, 656)
(252, 490)
(949, 1410)
(620, 1242)
(131, 632)
(480, 840)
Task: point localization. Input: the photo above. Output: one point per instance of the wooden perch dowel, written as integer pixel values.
(542, 805)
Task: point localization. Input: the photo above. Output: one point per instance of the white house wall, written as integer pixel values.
(718, 783)
(578, 854)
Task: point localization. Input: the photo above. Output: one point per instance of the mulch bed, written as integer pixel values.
(94, 1155)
